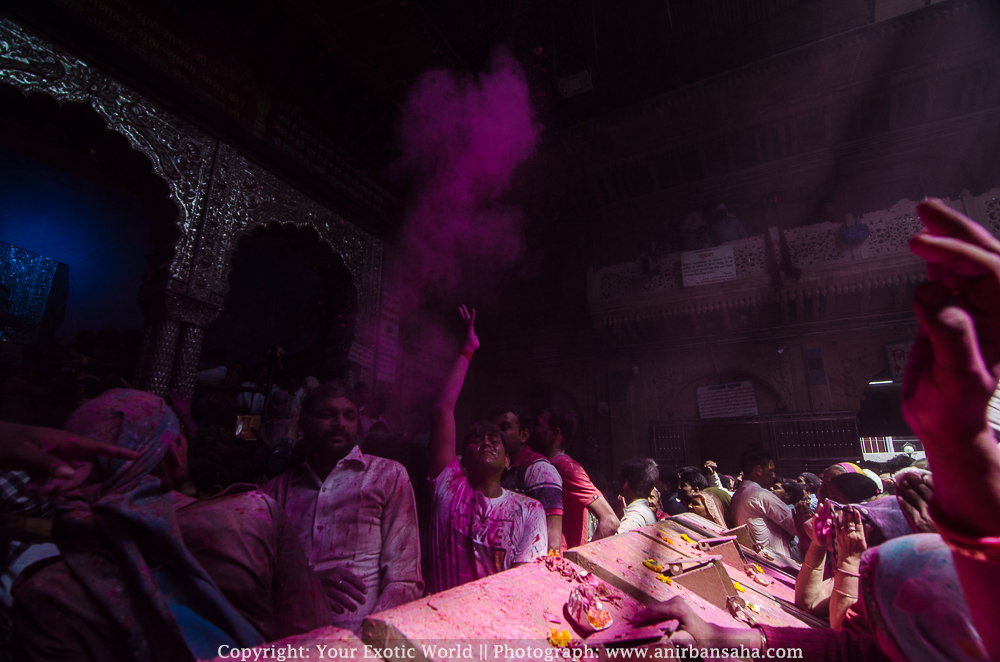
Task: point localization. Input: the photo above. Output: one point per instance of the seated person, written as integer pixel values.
(177, 578)
(693, 493)
(355, 514)
(477, 527)
(635, 484)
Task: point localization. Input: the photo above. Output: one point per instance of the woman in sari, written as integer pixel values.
(150, 575)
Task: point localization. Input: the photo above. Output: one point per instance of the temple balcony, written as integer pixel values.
(814, 277)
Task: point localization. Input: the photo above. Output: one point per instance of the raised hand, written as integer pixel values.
(952, 369)
(914, 492)
(471, 341)
(56, 456)
(181, 405)
(850, 528)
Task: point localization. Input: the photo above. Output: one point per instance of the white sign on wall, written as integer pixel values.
(711, 265)
(732, 400)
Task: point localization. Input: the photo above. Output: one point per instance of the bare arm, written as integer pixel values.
(851, 544)
(554, 525)
(607, 521)
(949, 381)
(443, 436)
(812, 592)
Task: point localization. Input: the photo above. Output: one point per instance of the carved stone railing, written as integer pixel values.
(624, 293)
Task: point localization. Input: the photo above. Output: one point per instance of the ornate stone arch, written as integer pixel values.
(219, 194)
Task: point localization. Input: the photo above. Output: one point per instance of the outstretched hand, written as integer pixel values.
(914, 491)
(56, 456)
(181, 405)
(952, 369)
(471, 341)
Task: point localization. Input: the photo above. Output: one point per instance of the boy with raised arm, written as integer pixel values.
(477, 527)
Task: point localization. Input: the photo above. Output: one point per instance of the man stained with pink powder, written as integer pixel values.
(355, 514)
(477, 527)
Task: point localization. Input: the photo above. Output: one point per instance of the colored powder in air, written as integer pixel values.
(460, 138)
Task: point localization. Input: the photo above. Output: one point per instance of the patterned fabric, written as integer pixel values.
(362, 518)
(913, 600)
(533, 475)
(578, 494)
(123, 532)
(14, 500)
(473, 536)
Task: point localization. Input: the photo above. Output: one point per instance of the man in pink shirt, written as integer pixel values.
(477, 527)
(354, 513)
(550, 436)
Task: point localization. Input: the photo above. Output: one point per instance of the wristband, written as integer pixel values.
(467, 353)
(985, 549)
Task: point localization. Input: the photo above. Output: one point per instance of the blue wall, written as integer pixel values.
(100, 233)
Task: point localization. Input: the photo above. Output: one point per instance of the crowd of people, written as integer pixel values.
(163, 550)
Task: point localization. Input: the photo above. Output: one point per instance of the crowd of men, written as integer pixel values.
(143, 568)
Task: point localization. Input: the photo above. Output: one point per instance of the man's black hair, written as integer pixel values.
(694, 477)
(793, 490)
(501, 409)
(480, 429)
(565, 421)
(641, 473)
(754, 457)
(328, 392)
(668, 476)
(899, 462)
(812, 481)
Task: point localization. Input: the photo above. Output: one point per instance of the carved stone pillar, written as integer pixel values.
(159, 361)
(186, 360)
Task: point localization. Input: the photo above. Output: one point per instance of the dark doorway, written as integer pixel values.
(881, 412)
(724, 443)
(287, 289)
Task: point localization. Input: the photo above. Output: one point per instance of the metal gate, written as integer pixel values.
(798, 442)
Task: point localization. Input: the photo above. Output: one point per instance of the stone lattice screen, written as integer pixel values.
(810, 246)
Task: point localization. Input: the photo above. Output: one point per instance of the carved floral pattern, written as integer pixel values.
(220, 196)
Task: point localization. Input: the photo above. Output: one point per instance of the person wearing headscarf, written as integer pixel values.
(911, 609)
(149, 575)
(693, 493)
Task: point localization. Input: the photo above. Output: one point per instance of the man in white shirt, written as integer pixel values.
(636, 484)
(355, 514)
(769, 521)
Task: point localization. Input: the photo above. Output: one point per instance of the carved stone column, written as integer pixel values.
(186, 360)
(159, 361)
